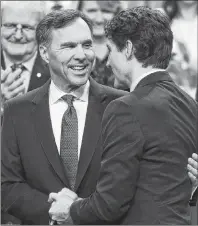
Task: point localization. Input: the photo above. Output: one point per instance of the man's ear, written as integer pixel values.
(129, 50)
(44, 53)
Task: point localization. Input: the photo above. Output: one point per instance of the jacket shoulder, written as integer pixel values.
(113, 93)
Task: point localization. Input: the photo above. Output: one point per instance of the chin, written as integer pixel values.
(99, 33)
(80, 81)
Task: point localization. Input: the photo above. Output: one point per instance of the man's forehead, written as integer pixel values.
(74, 32)
(76, 27)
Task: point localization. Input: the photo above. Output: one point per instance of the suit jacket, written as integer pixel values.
(147, 138)
(31, 166)
(39, 67)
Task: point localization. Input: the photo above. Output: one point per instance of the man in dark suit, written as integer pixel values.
(33, 163)
(147, 136)
(22, 67)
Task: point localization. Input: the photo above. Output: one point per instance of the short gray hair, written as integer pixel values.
(58, 19)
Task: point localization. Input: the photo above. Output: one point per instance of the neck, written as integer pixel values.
(62, 85)
(138, 73)
(187, 12)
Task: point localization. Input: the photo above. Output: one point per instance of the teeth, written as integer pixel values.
(78, 67)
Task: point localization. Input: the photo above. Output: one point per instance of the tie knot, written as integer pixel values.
(69, 99)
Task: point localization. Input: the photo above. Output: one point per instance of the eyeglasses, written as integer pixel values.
(22, 27)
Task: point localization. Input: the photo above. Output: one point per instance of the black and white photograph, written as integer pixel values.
(99, 112)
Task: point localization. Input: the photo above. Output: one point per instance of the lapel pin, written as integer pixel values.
(38, 75)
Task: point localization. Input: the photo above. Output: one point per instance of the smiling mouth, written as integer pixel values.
(17, 43)
(78, 68)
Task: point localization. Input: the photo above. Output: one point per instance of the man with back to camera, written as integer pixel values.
(147, 136)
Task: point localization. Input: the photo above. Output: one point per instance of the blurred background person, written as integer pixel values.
(100, 12)
(57, 5)
(183, 17)
(22, 68)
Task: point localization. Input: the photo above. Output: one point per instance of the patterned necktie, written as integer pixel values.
(15, 67)
(69, 140)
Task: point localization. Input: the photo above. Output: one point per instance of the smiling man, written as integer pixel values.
(50, 136)
(21, 64)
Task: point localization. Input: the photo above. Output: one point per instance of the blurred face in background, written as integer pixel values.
(18, 32)
(187, 3)
(99, 12)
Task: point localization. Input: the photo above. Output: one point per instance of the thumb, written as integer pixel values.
(52, 197)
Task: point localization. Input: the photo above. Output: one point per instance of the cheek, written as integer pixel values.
(90, 54)
(31, 37)
(5, 34)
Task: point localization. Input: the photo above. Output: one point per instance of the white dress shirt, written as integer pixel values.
(58, 107)
(26, 74)
(136, 81)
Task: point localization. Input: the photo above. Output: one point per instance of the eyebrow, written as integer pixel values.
(87, 41)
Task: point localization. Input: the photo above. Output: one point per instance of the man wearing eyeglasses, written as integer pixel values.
(21, 67)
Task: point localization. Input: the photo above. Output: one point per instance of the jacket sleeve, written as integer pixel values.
(123, 143)
(18, 197)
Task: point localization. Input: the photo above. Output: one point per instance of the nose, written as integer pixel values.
(99, 17)
(18, 33)
(80, 54)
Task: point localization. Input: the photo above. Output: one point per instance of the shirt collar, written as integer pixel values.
(28, 64)
(136, 81)
(82, 93)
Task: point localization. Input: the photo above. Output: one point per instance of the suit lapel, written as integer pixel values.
(44, 130)
(95, 109)
(40, 74)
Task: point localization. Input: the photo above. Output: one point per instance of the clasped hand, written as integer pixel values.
(60, 206)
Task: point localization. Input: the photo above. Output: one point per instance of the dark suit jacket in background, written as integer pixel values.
(35, 82)
(39, 67)
(31, 166)
(147, 137)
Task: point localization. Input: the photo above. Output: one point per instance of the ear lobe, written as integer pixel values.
(44, 53)
(129, 49)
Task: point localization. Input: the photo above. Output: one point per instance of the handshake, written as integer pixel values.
(60, 206)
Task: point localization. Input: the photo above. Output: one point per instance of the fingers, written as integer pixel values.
(5, 73)
(52, 197)
(192, 170)
(15, 84)
(195, 156)
(193, 164)
(18, 91)
(69, 193)
(12, 76)
(192, 177)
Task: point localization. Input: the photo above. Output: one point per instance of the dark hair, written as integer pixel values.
(171, 8)
(148, 30)
(114, 5)
(58, 19)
